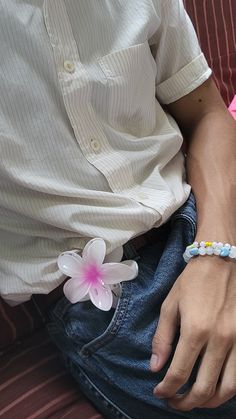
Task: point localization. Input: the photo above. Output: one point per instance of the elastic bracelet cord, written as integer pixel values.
(209, 248)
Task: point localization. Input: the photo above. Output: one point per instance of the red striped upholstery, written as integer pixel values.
(214, 21)
(17, 322)
(34, 385)
(20, 321)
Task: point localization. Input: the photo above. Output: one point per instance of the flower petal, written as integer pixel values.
(132, 264)
(101, 297)
(95, 251)
(69, 263)
(117, 272)
(75, 289)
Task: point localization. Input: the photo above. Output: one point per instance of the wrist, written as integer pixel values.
(216, 228)
(216, 234)
(216, 222)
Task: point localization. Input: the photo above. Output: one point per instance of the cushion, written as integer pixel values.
(33, 381)
(17, 322)
(20, 321)
(214, 22)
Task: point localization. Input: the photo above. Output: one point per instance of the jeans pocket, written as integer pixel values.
(86, 327)
(109, 329)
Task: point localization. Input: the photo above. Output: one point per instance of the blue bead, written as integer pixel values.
(194, 252)
(224, 252)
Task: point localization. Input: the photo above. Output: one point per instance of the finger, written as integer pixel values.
(164, 336)
(226, 388)
(186, 354)
(208, 374)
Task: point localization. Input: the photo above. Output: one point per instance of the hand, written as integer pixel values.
(202, 303)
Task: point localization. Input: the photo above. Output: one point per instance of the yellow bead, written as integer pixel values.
(208, 244)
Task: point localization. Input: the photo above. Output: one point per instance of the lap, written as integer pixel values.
(108, 352)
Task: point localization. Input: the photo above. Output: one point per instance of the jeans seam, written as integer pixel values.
(93, 388)
(190, 220)
(112, 329)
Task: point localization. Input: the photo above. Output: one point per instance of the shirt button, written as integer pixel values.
(95, 144)
(69, 66)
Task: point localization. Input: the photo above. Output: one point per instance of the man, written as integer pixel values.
(91, 95)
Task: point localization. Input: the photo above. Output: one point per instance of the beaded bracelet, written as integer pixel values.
(209, 248)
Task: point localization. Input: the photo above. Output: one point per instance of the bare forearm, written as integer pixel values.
(203, 296)
(211, 168)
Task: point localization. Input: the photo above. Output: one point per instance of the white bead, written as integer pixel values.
(232, 253)
(187, 257)
(227, 245)
(219, 244)
(217, 251)
(202, 244)
(214, 244)
(202, 251)
(195, 244)
(209, 250)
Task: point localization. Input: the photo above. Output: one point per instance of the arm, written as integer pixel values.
(204, 296)
(211, 160)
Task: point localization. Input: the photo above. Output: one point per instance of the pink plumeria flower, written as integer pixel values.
(91, 277)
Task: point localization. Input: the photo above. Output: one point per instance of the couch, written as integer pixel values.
(33, 382)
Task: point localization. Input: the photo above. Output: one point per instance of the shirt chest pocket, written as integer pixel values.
(130, 89)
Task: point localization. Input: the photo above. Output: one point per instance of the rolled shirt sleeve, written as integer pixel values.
(181, 65)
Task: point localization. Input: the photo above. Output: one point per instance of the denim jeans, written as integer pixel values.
(108, 353)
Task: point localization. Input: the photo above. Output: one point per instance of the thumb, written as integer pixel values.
(164, 336)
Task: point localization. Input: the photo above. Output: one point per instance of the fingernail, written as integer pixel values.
(154, 361)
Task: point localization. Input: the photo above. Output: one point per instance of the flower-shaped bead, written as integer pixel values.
(92, 278)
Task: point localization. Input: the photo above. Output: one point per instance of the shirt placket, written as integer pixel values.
(76, 90)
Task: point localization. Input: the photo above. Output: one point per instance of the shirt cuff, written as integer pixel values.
(184, 81)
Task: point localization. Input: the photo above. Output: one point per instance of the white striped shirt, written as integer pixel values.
(86, 147)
